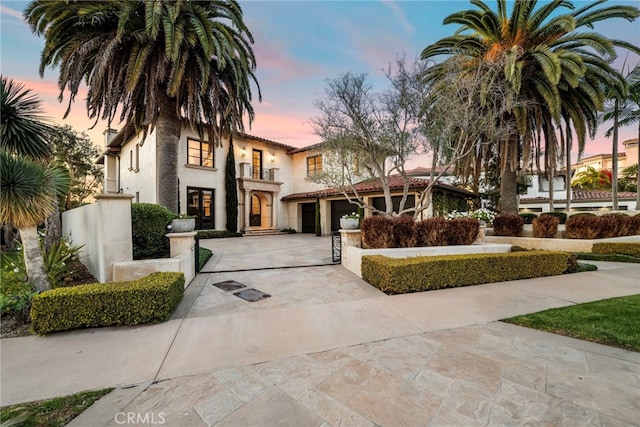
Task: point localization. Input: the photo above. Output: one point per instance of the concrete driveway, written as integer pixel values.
(328, 349)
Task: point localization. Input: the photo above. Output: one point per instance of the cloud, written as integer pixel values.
(287, 129)
(278, 65)
(7, 11)
(400, 16)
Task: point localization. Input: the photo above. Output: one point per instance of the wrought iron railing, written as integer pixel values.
(336, 246)
(261, 173)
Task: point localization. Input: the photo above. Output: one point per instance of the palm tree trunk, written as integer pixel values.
(614, 160)
(167, 142)
(509, 191)
(567, 182)
(52, 229)
(638, 172)
(33, 260)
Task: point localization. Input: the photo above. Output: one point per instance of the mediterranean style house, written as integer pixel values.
(273, 181)
(536, 199)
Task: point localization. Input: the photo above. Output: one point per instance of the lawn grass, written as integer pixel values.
(614, 322)
(52, 412)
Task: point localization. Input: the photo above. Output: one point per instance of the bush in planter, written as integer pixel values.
(583, 227)
(614, 225)
(560, 215)
(508, 225)
(462, 231)
(404, 232)
(148, 228)
(417, 274)
(377, 232)
(432, 232)
(528, 217)
(545, 226)
(634, 224)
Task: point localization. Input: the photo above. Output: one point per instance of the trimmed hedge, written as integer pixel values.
(217, 234)
(528, 217)
(417, 274)
(562, 217)
(508, 225)
(621, 248)
(150, 299)
(545, 226)
(149, 228)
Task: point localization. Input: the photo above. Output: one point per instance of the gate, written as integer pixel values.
(336, 246)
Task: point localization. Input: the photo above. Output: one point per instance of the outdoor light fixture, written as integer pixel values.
(273, 158)
(243, 151)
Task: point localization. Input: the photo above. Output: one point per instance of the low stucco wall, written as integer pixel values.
(132, 270)
(557, 244)
(353, 259)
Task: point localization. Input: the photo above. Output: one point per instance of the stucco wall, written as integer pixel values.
(141, 183)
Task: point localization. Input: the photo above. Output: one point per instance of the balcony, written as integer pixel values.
(253, 178)
(262, 174)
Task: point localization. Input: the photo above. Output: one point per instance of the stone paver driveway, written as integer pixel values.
(328, 349)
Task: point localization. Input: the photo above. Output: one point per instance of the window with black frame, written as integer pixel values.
(199, 153)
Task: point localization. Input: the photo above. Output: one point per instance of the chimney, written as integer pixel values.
(109, 134)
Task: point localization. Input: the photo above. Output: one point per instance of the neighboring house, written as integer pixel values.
(536, 198)
(274, 191)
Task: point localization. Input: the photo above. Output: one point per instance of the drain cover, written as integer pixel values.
(252, 295)
(229, 285)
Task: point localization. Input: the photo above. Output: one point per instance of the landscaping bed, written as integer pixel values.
(417, 274)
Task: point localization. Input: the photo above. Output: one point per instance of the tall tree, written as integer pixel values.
(544, 53)
(27, 185)
(626, 112)
(231, 189)
(158, 61)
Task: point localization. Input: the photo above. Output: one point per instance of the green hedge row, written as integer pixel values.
(150, 299)
(417, 274)
(217, 234)
(622, 248)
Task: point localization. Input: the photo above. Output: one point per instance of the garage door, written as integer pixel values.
(338, 209)
(308, 217)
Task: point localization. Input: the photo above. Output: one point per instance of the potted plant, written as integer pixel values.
(183, 223)
(350, 221)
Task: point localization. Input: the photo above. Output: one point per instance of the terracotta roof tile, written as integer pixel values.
(586, 195)
(373, 185)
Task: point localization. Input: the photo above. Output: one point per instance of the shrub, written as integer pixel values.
(150, 299)
(622, 248)
(572, 264)
(545, 226)
(203, 256)
(462, 231)
(432, 232)
(634, 225)
(583, 227)
(148, 228)
(614, 225)
(528, 217)
(377, 232)
(562, 217)
(15, 295)
(402, 275)
(404, 232)
(217, 234)
(508, 225)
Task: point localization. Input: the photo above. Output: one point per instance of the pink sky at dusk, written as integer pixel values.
(298, 45)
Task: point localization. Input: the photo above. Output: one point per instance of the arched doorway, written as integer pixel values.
(255, 214)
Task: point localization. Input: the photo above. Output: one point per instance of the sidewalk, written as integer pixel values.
(328, 348)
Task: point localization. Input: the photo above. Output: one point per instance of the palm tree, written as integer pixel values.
(625, 111)
(544, 54)
(27, 197)
(159, 61)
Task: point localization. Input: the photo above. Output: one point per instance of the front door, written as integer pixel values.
(256, 212)
(200, 205)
